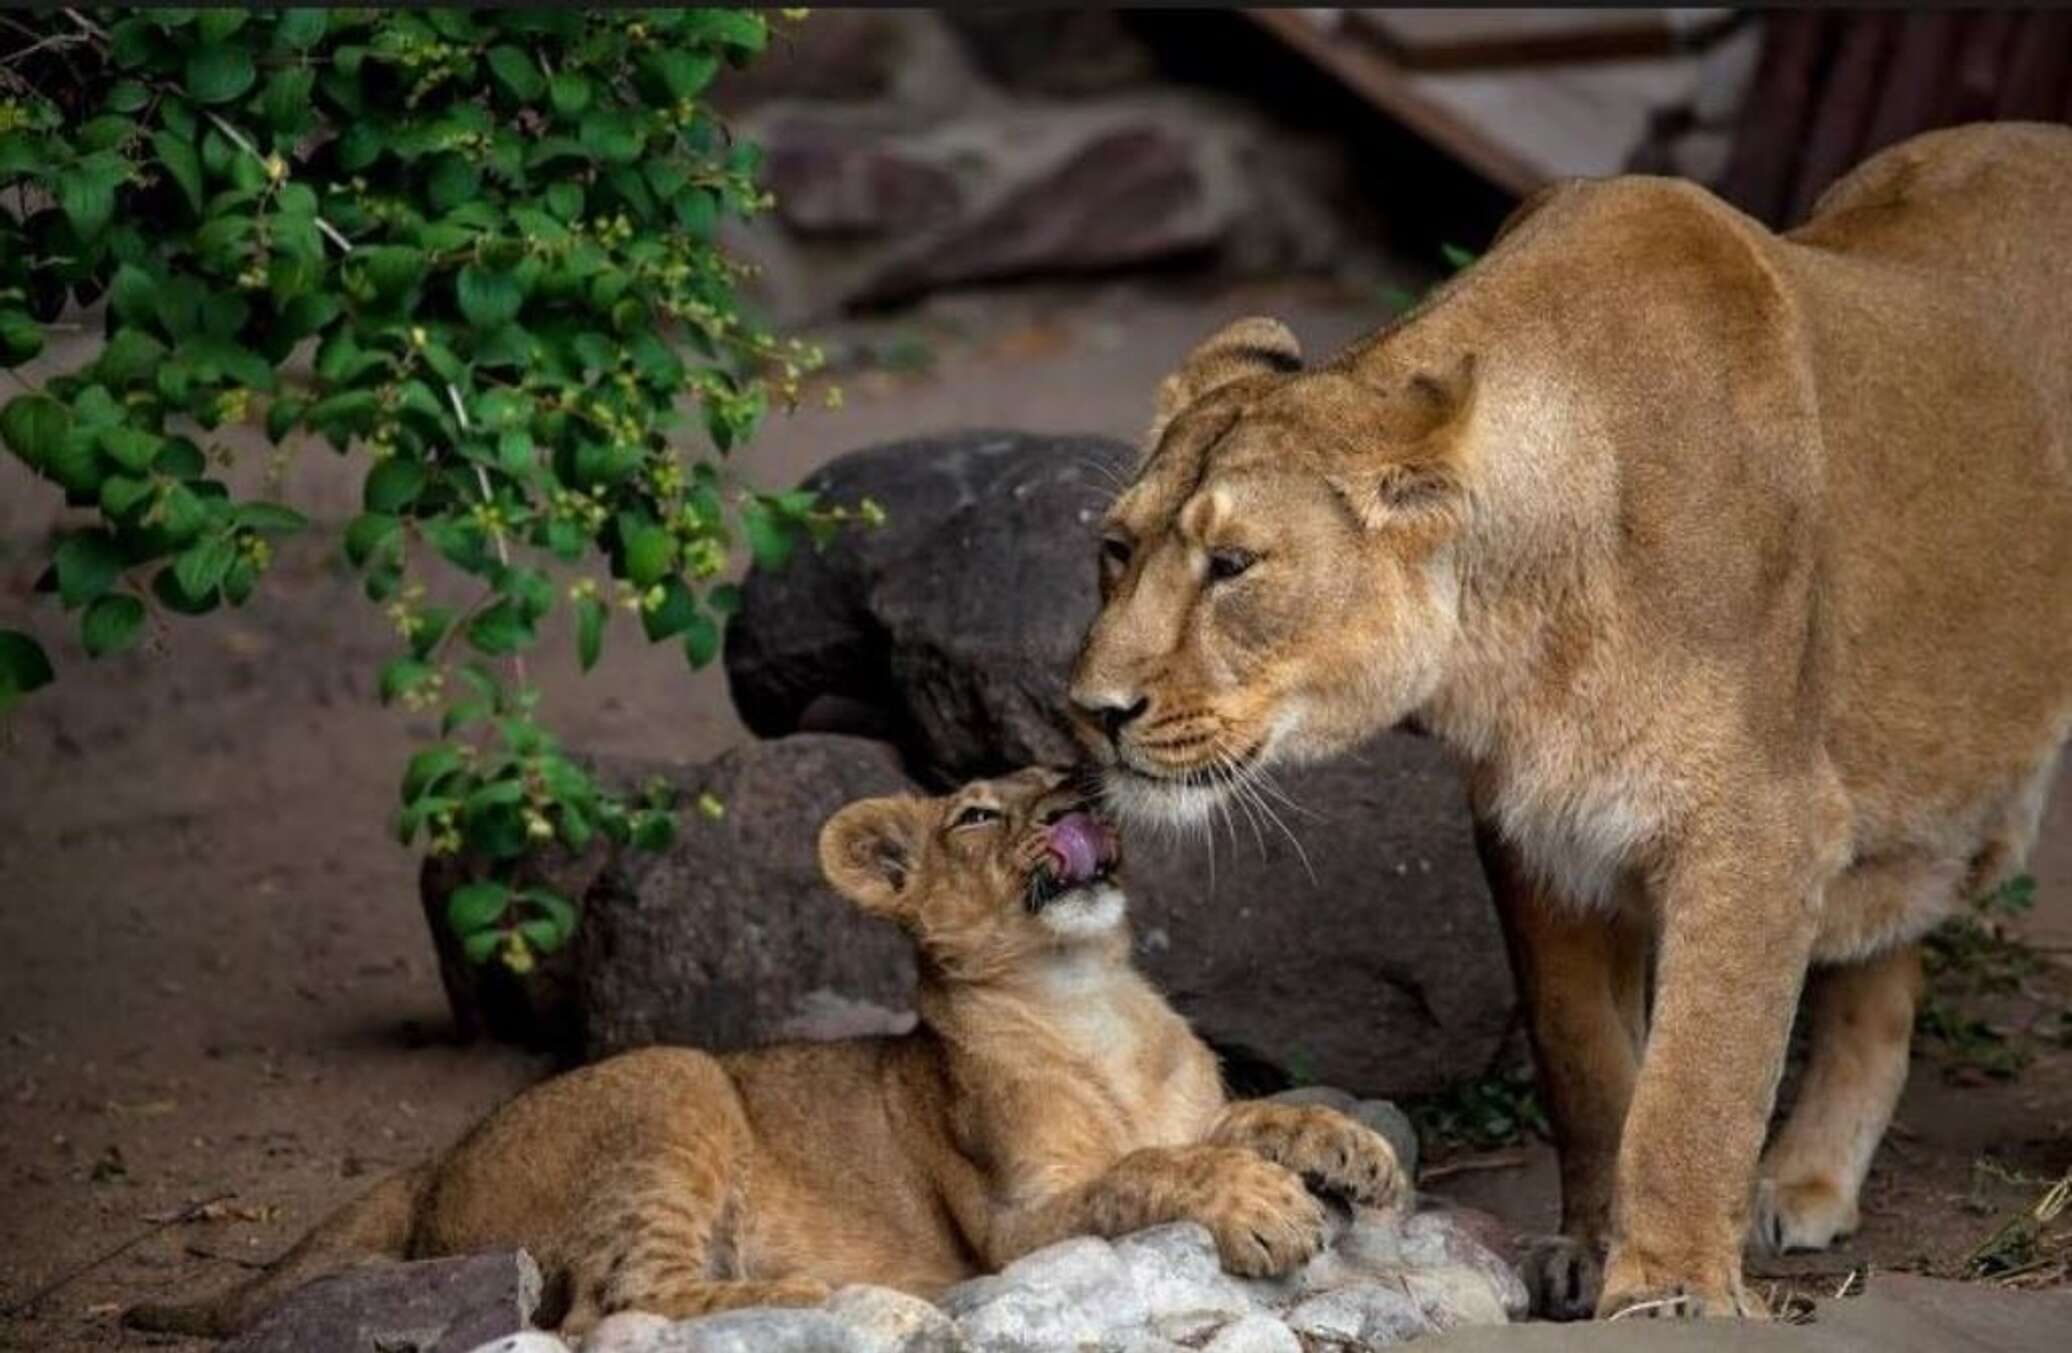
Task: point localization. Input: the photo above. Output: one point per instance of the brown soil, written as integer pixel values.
(216, 980)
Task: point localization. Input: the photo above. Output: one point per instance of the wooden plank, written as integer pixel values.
(1455, 39)
(1370, 74)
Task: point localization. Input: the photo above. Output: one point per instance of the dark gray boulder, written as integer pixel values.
(436, 1306)
(729, 936)
(948, 629)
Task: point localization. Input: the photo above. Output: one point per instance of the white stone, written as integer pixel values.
(1254, 1334)
(625, 1332)
(890, 1321)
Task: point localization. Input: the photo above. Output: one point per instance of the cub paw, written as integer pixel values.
(1809, 1214)
(1333, 1153)
(1563, 1275)
(1264, 1221)
(1634, 1289)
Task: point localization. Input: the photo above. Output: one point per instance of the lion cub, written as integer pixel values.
(1047, 1091)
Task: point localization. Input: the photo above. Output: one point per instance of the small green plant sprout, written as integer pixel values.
(1400, 302)
(474, 249)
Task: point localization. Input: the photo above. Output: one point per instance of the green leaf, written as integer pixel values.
(650, 550)
(678, 611)
(653, 830)
(480, 945)
(86, 191)
(286, 102)
(570, 92)
(683, 74)
(269, 518)
(517, 73)
(301, 29)
(590, 618)
(88, 563)
(132, 355)
(500, 629)
(392, 485)
(35, 426)
(453, 180)
(369, 534)
(201, 566)
(127, 97)
(131, 448)
(701, 641)
(121, 494)
(1456, 257)
(427, 768)
(769, 538)
(488, 298)
(565, 200)
(475, 906)
(24, 667)
(181, 164)
(401, 674)
(219, 72)
(111, 624)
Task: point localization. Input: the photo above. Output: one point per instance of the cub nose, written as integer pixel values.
(1112, 712)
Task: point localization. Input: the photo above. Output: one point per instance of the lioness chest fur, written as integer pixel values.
(1047, 1091)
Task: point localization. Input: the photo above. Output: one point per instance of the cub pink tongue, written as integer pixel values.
(1076, 840)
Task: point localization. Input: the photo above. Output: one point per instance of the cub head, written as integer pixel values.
(987, 878)
(1277, 583)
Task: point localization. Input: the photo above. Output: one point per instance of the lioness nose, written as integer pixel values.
(1112, 711)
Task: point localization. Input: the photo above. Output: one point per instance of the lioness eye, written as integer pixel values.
(1115, 550)
(976, 816)
(1227, 564)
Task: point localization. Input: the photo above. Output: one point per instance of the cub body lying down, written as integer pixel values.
(1047, 1091)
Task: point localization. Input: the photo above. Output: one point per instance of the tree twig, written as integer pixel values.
(185, 1214)
(345, 246)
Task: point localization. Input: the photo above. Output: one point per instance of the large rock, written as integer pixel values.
(730, 934)
(1367, 958)
(949, 628)
(437, 1306)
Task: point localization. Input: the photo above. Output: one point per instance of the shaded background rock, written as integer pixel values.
(1368, 957)
(723, 937)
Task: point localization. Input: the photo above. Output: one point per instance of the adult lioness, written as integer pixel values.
(1047, 1091)
(1737, 568)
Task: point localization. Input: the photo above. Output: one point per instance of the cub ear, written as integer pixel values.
(870, 851)
(1247, 347)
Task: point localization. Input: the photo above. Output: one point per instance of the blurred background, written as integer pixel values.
(988, 219)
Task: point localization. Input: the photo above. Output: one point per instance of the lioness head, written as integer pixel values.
(1277, 583)
(987, 877)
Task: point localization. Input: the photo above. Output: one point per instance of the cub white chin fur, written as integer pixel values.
(1083, 912)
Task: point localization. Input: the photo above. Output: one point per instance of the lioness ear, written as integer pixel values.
(1418, 471)
(870, 850)
(1247, 347)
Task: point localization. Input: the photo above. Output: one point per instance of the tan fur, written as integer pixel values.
(1738, 569)
(1048, 1091)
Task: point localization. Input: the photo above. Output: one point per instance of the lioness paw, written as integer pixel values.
(1809, 1214)
(1563, 1275)
(1264, 1220)
(1634, 1288)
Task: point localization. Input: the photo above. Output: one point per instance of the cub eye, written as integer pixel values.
(1227, 564)
(1115, 551)
(976, 816)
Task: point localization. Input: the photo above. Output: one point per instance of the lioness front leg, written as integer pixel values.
(1582, 977)
(1263, 1219)
(1333, 1153)
(1736, 932)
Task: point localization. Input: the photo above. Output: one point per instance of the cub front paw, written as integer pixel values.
(1334, 1154)
(1264, 1221)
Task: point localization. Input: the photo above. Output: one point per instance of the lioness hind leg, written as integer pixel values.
(1863, 1022)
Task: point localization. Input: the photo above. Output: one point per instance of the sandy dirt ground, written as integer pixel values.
(215, 981)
